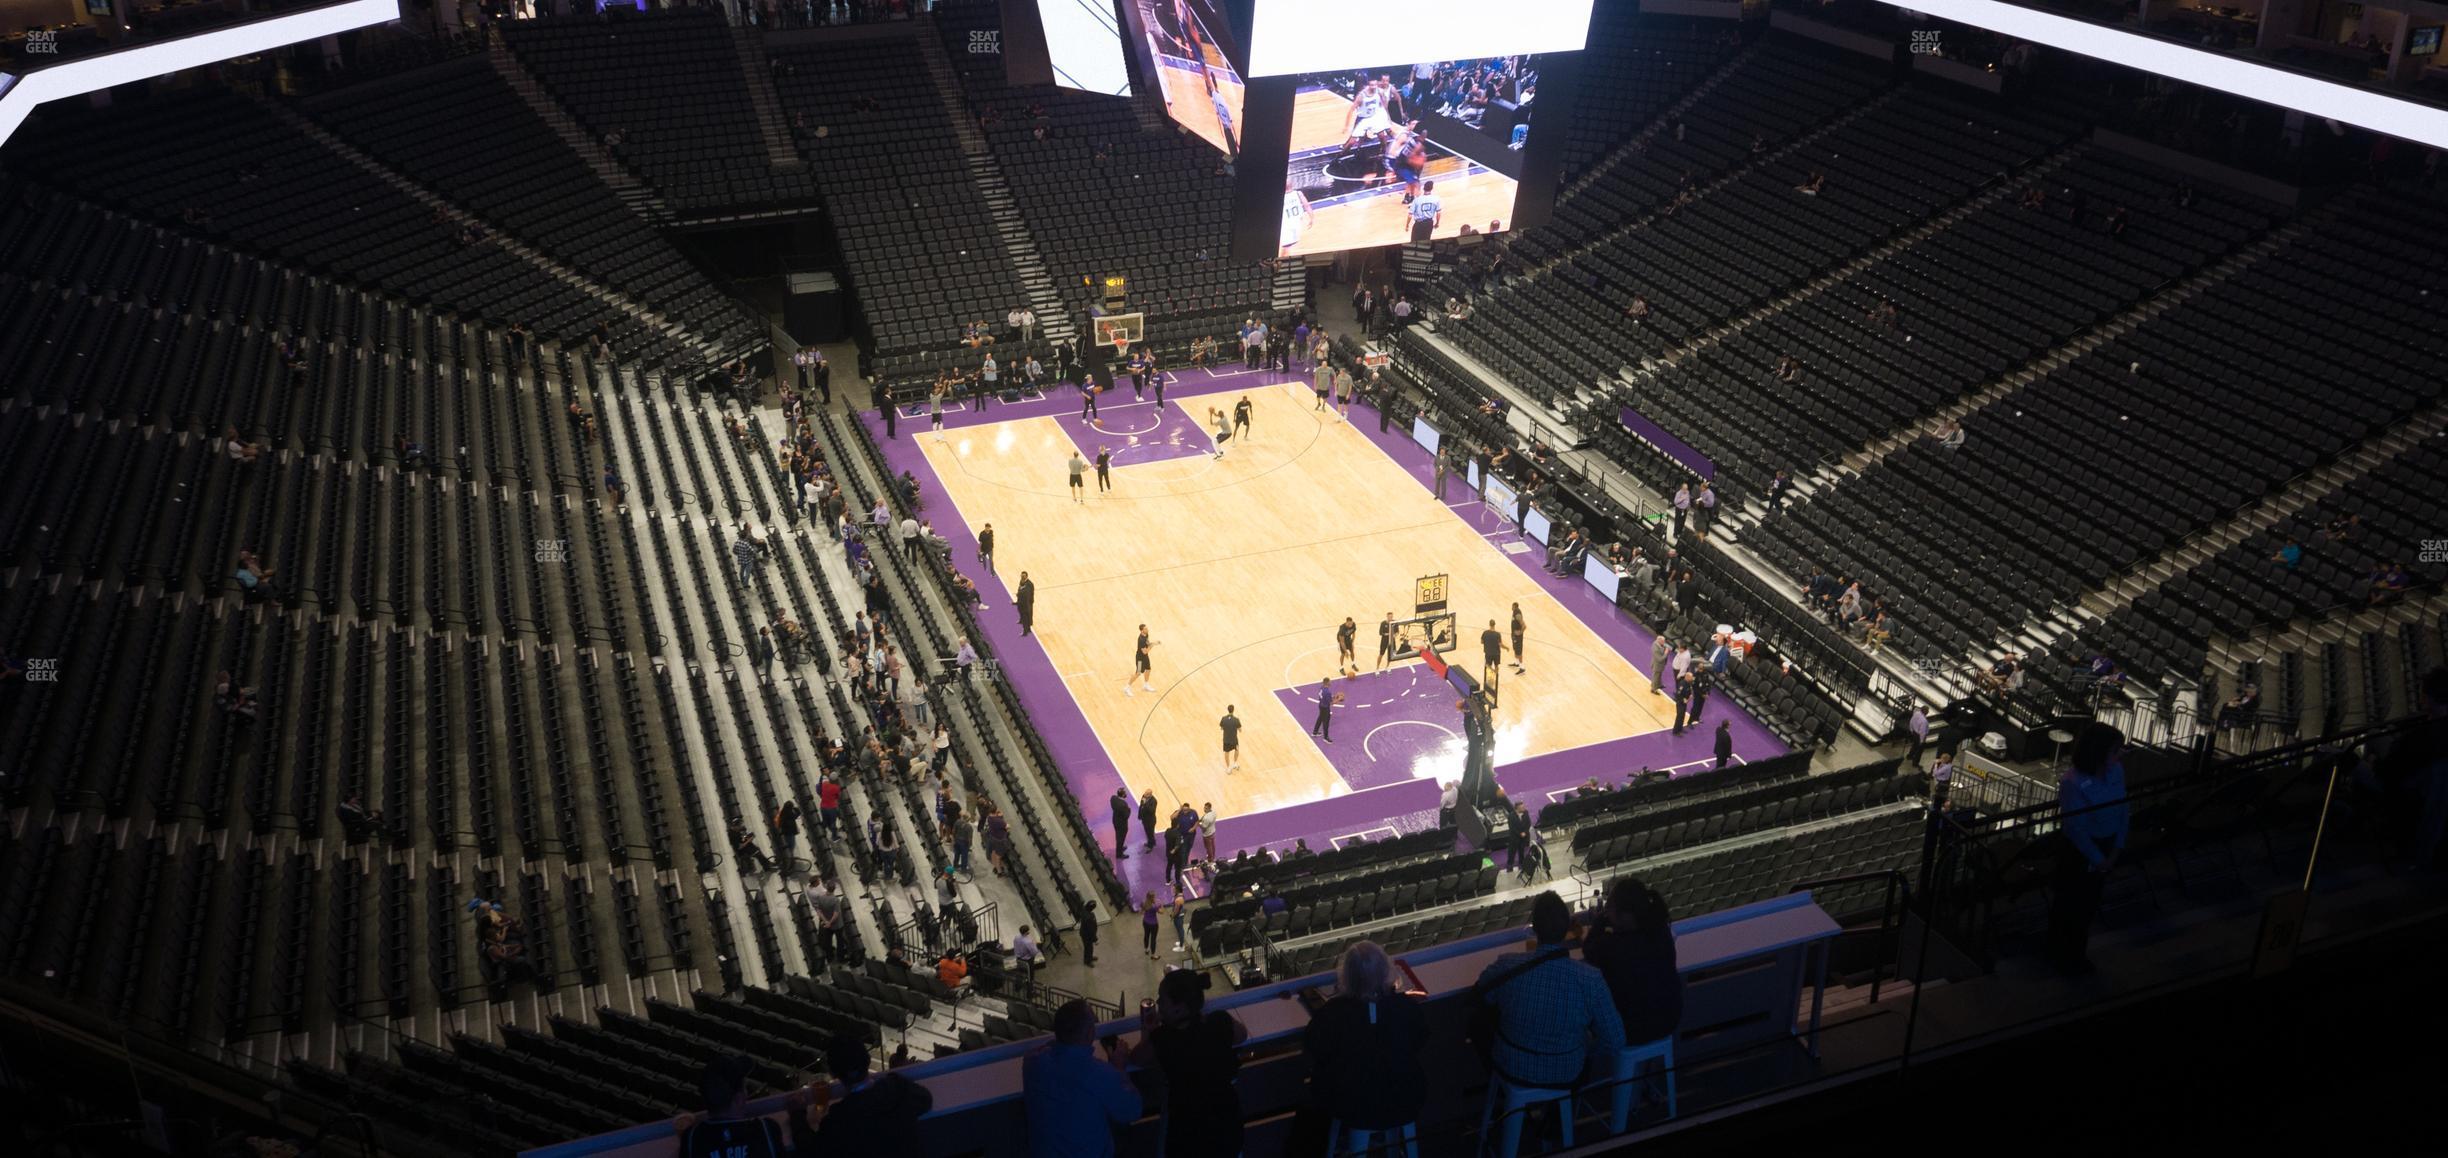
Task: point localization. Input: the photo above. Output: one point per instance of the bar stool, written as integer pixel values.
(1505, 1103)
(1629, 1063)
(1358, 1140)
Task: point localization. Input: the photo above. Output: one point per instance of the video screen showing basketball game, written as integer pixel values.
(1412, 152)
(1189, 54)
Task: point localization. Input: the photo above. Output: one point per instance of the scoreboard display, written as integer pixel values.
(1367, 123)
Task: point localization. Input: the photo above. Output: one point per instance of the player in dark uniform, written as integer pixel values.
(1140, 675)
(1104, 465)
(1518, 628)
(1345, 661)
(1241, 418)
(1386, 633)
(1491, 641)
(1231, 724)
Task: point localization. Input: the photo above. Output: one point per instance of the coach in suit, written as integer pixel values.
(1026, 600)
(1121, 822)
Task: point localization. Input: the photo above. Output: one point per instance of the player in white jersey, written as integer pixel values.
(1296, 217)
(1368, 116)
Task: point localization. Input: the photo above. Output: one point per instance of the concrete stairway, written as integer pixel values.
(757, 71)
(633, 191)
(1053, 320)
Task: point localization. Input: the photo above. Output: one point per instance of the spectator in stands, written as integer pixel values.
(1148, 920)
(2117, 219)
(1917, 726)
(236, 700)
(1950, 435)
(831, 910)
(1885, 315)
(727, 1130)
(240, 451)
(254, 579)
(1812, 184)
(1704, 509)
(611, 483)
(1075, 1102)
(2387, 583)
(410, 454)
(786, 827)
(358, 822)
(1631, 943)
(828, 802)
(2288, 555)
(745, 846)
(2240, 708)
(2035, 197)
(1364, 1047)
(1682, 507)
(1197, 1052)
(1179, 911)
(1551, 1011)
(877, 1115)
(2093, 816)
(1639, 310)
(2344, 529)
(1788, 368)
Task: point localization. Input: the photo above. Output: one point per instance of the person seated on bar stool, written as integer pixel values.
(1631, 943)
(1551, 1012)
(1364, 1049)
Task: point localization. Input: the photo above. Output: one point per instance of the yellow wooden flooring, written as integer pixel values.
(1242, 568)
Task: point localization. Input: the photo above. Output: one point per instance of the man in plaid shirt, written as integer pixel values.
(1551, 1014)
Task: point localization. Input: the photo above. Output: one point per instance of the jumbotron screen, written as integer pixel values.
(1190, 52)
(1379, 122)
(1405, 152)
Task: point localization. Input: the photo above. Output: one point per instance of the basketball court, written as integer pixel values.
(1242, 567)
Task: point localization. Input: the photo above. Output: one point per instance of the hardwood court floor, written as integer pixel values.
(1186, 98)
(1242, 568)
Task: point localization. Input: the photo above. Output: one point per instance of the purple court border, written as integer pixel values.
(1407, 806)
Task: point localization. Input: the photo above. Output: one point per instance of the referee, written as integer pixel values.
(1385, 641)
(1427, 210)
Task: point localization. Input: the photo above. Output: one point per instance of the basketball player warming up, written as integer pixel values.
(1140, 676)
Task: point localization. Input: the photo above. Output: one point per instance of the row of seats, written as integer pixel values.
(922, 249)
(2209, 392)
(459, 129)
(226, 169)
(665, 92)
(2168, 629)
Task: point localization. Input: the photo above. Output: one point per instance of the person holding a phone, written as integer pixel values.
(1198, 1053)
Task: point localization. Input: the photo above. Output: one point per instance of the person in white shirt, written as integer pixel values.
(1296, 218)
(1016, 319)
(1025, 953)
